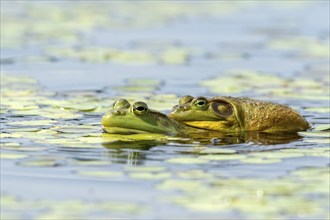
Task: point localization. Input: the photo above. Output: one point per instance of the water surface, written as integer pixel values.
(61, 70)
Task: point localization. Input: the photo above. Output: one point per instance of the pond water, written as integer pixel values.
(61, 70)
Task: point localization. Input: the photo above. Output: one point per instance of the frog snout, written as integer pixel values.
(180, 108)
(108, 117)
(116, 112)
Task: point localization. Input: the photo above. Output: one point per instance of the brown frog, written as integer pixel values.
(233, 114)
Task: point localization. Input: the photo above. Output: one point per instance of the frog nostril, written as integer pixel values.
(176, 107)
(180, 108)
(116, 112)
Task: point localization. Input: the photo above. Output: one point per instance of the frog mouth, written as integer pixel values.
(120, 130)
(208, 125)
(123, 130)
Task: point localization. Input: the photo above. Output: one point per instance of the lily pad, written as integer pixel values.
(260, 160)
(194, 174)
(186, 160)
(12, 156)
(145, 168)
(150, 176)
(23, 129)
(84, 107)
(103, 174)
(318, 140)
(9, 135)
(185, 185)
(223, 157)
(325, 134)
(325, 127)
(10, 144)
(279, 154)
(76, 129)
(174, 56)
(318, 109)
(217, 151)
(32, 123)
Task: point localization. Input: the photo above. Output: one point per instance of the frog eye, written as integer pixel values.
(200, 102)
(121, 103)
(140, 108)
(185, 99)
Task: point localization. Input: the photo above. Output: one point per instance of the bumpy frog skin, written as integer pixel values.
(232, 114)
(137, 118)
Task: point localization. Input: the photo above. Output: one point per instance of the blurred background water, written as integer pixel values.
(63, 63)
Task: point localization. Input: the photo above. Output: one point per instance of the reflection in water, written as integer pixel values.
(215, 138)
(128, 152)
(133, 152)
(138, 145)
(259, 138)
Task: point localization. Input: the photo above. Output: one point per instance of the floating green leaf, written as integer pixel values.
(32, 123)
(318, 109)
(187, 160)
(40, 161)
(217, 151)
(77, 129)
(145, 168)
(194, 174)
(325, 127)
(12, 156)
(257, 160)
(223, 157)
(150, 176)
(325, 134)
(103, 174)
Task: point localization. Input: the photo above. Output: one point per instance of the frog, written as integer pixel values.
(138, 118)
(237, 114)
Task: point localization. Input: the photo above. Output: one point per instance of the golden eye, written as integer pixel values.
(185, 99)
(200, 102)
(140, 108)
(121, 103)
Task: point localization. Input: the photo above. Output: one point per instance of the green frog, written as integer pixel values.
(137, 118)
(234, 114)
